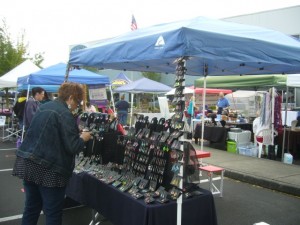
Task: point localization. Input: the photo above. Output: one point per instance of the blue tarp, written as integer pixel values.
(55, 75)
(144, 85)
(213, 47)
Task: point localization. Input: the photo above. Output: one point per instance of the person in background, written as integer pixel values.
(122, 107)
(90, 108)
(45, 159)
(32, 105)
(109, 110)
(20, 106)
(190, 110)
(222, 103)
(46, 98)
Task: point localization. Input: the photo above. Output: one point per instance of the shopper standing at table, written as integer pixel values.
(20, 106)
(45, 160)
(190, 110)
(222, 103)
(46, 98)
(122, 107)
(32, 105)
(90, 108)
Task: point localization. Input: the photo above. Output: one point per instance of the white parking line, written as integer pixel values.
(9, 218)
(16, 217)
(6, 149)
(5, 170)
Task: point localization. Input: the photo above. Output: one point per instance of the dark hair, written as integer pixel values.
(46, 96)
(69, 88)
(23, 93)
(36, 90)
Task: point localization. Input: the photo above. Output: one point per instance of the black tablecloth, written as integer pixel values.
(217, 136)
(121, 209)
(243, 126)
(292, 142)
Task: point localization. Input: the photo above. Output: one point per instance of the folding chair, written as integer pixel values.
(11, 132)
(264, 137)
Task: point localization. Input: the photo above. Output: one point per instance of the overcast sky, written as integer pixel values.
(51, 26)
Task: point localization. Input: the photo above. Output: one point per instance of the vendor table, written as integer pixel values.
(243, 126)
(122, 209)
(217, 136)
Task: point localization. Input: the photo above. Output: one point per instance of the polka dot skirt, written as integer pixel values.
(33, 172)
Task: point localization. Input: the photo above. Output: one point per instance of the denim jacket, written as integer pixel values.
(52, 139)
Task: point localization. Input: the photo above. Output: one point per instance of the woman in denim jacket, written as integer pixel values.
(45, 160)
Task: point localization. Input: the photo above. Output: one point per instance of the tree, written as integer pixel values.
(152, 76)
(38, 58)
(14, 53)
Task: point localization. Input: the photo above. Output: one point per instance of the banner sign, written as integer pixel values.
(98, 95)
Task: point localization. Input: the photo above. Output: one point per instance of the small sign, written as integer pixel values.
(2, 121)
(97, 93)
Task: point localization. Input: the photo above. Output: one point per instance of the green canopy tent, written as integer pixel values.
(248, 82)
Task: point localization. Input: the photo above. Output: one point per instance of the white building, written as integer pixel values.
(285, 20)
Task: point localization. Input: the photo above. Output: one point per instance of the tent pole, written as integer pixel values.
(203, 106)
(284, 126)
(68, 67)
(273, 108)
(193, 112)
(112, 98)
(23, 128)
(234, 102)
(131, 110)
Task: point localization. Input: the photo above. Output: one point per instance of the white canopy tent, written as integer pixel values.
(245, 102)
(185, 91)
(9, 80)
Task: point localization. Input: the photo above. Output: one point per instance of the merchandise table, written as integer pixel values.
(243, 126)
(122, 209)
(217, 136)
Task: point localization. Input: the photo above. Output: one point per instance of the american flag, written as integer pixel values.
(133, 23)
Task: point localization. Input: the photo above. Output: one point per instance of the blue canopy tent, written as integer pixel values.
(210, 47)
(143, 85)
(53, 76)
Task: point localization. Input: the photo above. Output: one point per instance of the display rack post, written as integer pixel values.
(179, 199)
(180, 85)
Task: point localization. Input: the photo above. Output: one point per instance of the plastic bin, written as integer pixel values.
(231, 146)
(288, 158)
(243, 137)
(248, 149)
